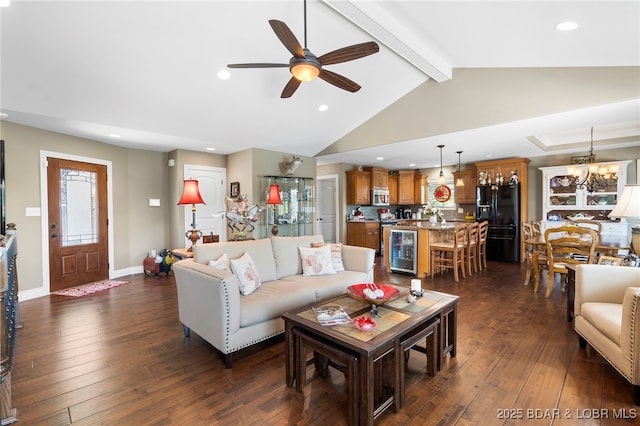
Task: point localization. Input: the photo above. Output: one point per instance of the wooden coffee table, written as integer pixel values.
(378, 372)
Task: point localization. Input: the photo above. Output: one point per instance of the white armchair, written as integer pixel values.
(607, 316)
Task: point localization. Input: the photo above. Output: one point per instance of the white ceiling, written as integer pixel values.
(147, 71)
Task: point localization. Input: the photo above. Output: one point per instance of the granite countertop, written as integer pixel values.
(427, 225)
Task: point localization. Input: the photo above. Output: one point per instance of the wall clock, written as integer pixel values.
(442, 193)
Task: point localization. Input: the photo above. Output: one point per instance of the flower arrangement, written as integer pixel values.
(429, 211)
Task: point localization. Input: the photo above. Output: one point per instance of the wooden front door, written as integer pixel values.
(78, 237)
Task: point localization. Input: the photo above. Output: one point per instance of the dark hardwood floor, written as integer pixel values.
(119, 357)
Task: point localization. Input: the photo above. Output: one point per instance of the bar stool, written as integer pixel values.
(471, 255)
(482, 244)
(450, 254)
(428, 332)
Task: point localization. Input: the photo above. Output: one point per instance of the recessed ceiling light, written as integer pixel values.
(488, 156)
(224, 75)
(379, 158)
(412, 165)
(567, 26)
(114, 135)
(323, 108)
(3, 115)
(5, 3)
(210, 149)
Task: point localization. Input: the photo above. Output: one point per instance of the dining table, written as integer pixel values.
(606, 245)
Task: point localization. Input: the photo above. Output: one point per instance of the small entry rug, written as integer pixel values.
(85, 289)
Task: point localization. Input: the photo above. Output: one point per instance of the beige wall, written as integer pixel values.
(136, 176)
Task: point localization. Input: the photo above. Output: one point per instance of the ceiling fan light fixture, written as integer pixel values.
(305, 71)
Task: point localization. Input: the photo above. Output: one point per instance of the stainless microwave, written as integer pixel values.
(380, 197)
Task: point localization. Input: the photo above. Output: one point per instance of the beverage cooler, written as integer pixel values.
(402, 256)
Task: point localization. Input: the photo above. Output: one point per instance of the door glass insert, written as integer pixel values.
(78, 207)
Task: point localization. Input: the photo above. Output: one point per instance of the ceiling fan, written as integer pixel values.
(305, 66)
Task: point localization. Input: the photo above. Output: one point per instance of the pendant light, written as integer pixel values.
(459, 181)
(441, 179)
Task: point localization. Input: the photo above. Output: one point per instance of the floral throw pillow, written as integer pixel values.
(316, 261)
(247, 274)
(336, 255)
(223, 263)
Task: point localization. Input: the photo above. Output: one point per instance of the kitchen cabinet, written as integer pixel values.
(406, 186)
(379, 177)
(562, 197)
(364, 234)
(392, 181)
(465, 194)
(358, 187)
(295, 216)
(420, 189)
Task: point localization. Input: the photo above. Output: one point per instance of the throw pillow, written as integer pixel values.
(336, 255)
(247, 274)
(222, 263)
(316, 261)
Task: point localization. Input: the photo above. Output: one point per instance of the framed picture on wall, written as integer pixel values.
(235, 189)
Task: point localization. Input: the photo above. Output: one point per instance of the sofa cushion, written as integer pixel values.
(259, 250)
(328, 285)
(247, 274)
(605, 317)
(336, 255)
(272, 300)
(316, 261)
(285, 253)
(222, 263)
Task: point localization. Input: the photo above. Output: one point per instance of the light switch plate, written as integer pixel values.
(32, 211)
(154, 202)
(460, 210)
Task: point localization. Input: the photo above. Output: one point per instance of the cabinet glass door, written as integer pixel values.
(403, 251)
(562, 191)
(295, 215)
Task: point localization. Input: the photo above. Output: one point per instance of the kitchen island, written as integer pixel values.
(427, 233)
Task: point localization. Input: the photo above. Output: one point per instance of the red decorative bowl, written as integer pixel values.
(364, 323)
(357, 292)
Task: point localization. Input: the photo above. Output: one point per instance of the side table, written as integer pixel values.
(181, 253)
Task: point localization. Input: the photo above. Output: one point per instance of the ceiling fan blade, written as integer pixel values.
(290, 88)
(287, 38)
(339, 81)
(349, 53)
(258, 65)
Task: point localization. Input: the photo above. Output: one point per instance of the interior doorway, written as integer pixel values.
(210, 218)
(327, 205)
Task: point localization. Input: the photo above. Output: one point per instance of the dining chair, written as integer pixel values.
(450, 254)
(483, 231)
(536, 228)
(471, 252)
(587, 223)
(568, 245)
(536, 257)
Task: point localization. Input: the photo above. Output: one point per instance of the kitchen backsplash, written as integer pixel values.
(371, 212)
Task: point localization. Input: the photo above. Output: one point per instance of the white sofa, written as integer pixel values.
(209, 299)
(607, 316)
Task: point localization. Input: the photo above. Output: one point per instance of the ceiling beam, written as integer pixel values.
(373, 19)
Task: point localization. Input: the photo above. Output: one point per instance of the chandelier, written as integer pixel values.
(597, 177)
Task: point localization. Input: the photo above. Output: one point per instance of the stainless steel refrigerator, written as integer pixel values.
(500, 205)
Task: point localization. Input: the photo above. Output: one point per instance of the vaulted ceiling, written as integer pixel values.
(489, 78)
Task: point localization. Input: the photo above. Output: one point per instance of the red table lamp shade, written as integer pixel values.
(274, 195)
(191, 193)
